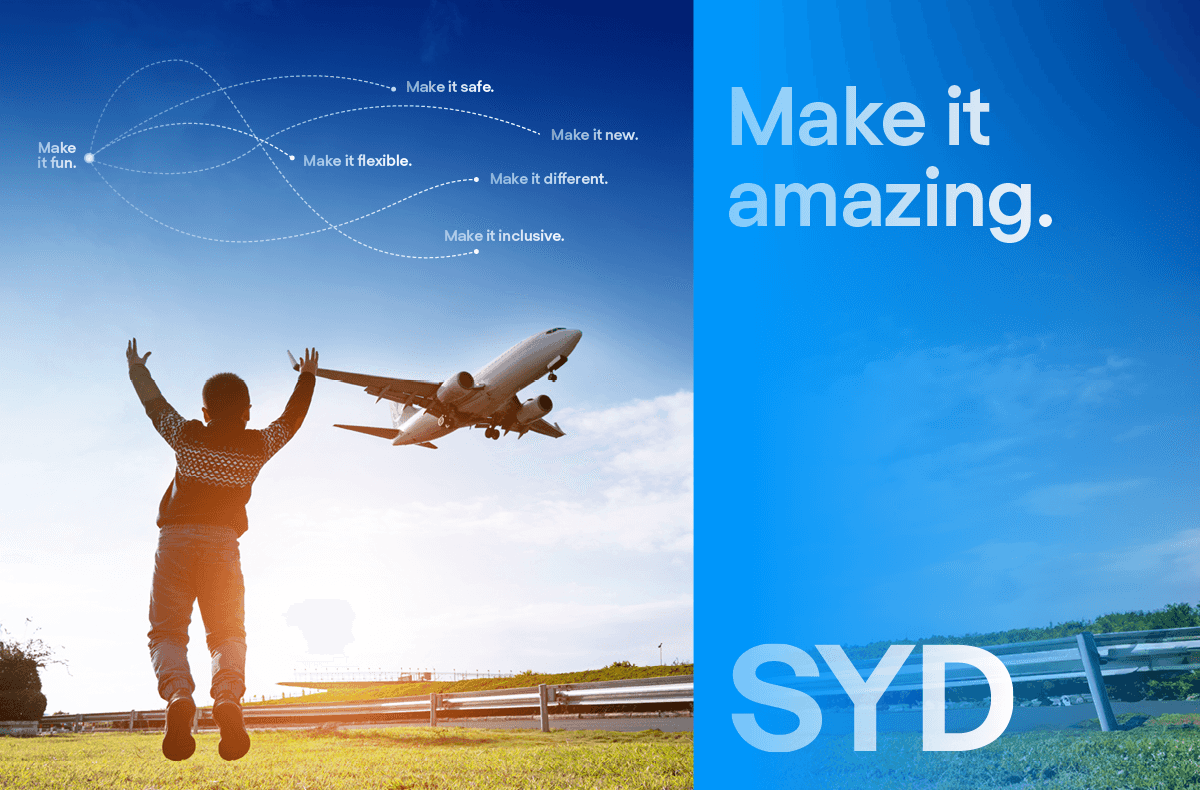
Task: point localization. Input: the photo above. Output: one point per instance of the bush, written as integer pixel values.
(21, 697)
(1174, 686)
(22, 705)
(18, 673)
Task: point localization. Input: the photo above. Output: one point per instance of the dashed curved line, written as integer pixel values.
(104, 109)
(198, 67)
(198, 123)
(177, 172)
(266, 153)
(225, 92)
(295, 191)
(294, 235)
(267, 139)
(217, 90)
(401, 200)
(419, 106)
(321, 216)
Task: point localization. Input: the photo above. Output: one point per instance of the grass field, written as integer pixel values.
(1154, 754)
(330, 759)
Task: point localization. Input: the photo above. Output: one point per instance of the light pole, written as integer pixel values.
(660, 654)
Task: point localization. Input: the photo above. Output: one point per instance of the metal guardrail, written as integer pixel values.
(1050, 659)
(644, 694)
(1091, 656)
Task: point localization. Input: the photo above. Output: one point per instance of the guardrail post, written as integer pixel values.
(543, 704)
(132, 719)
(196, 721)
(1091, 668)
(433, 707)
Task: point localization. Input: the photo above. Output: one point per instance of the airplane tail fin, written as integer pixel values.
(382, 433)
(402, 413)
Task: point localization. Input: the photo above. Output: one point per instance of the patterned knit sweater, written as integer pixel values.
(216, 463)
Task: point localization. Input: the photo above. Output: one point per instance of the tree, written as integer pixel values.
(21, 697)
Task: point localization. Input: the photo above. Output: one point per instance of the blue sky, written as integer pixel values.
(339, 515)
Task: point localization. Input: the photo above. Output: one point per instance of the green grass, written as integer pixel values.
(1156, 754)
(365, 691)
(387, 759)
(1176, 720)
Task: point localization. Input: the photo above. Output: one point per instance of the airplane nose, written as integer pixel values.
(575, 335)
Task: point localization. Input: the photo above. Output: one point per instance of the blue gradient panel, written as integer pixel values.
(924, 430)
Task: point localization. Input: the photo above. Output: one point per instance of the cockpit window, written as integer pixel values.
(555, 329)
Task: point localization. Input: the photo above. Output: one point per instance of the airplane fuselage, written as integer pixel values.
(496, 384)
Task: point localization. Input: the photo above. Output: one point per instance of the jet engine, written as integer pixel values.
(456, 388)
(534, 409)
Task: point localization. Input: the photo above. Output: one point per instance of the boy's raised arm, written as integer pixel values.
(166, 420)
(279, 432)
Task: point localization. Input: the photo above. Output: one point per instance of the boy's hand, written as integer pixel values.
(131, 355)
(309, 364)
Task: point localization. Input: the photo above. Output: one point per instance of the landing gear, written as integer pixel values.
(553, 377)
(492, 433)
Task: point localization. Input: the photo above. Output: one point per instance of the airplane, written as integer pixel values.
(426, 410)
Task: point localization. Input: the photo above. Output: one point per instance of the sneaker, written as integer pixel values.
(235, 742)
(178, 743)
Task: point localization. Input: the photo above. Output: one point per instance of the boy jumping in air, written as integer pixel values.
(200, 518)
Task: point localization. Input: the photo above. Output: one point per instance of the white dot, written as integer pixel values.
(931, 172)
(476, 251)
(291, 157)
(1045, 220)
(476, 179)
(393, 89)
(954, 91)
(89, 157)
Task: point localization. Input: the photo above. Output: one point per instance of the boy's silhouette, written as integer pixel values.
(200, 518)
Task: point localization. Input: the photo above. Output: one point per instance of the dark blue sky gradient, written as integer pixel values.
(623, 271)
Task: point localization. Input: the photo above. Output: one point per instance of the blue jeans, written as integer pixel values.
(198, 563)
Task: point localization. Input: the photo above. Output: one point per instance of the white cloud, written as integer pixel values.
(1133, 433)
(964, 389)
(636, 461)
(1018, 584)
(1070, 499)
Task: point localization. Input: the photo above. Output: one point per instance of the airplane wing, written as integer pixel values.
(382, 433)
(421, 393)
(546, 429)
